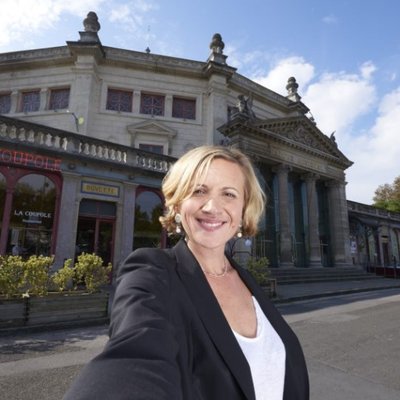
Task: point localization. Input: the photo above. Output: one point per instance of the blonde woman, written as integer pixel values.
(188, 322)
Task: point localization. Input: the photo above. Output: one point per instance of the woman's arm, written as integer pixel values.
(139, 361)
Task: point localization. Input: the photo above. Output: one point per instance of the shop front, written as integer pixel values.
(29, 205)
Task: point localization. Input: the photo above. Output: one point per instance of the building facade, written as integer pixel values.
(87, 133)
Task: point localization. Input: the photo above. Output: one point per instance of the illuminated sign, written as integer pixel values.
(104, 190)
(22, 158)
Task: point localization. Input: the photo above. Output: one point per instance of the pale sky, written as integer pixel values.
(345, 55)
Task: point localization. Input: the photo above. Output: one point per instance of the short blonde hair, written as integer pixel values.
(184, 176)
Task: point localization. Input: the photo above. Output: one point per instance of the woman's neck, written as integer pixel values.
(211, 260)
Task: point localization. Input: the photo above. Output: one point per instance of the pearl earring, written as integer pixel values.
(178, 220)
(239, 233)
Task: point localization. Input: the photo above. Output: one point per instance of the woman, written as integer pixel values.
(188, 322)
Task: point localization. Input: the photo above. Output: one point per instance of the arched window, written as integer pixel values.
(147, 229)
(32, 216)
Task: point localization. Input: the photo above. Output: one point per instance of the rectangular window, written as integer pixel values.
(5, 103)
(184, 108)
(153, 148)
(119, 100)
(30, 101)
(152, 104)
(59, 99)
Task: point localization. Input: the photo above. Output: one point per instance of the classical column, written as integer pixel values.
(285, 239)
(68, 219)
(125, 224)
(313, 231)
(339, 224)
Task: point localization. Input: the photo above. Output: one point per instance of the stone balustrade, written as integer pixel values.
(371, 210)
(71, 143)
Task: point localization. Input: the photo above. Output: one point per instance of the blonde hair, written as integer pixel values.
(184, 176)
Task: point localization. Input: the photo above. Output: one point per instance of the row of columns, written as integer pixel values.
(338, 221)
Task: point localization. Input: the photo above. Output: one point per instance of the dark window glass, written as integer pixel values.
(32, 216)
(152, 104)
(30, 101)
(97, 208)
(147, 228)
(59, 99)
(152, 148)
(119, 100)
(5, 103)
(184, 108)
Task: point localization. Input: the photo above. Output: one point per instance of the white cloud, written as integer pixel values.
(19, 19)
(329, 19)
(277, 77)
(337, 100)
(376, 154)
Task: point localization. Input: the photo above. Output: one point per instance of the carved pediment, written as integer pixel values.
(303, 133)
(295, 132)
(151, 128)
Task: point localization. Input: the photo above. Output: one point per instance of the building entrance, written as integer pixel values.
(95, 233)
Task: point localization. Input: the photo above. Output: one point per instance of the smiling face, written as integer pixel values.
(212, 215)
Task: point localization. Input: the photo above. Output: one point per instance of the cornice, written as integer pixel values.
(297, 133)
(47, 56)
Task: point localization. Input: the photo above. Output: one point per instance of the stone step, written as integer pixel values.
(304, 275)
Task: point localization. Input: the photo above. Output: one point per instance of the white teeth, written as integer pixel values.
(211, 224)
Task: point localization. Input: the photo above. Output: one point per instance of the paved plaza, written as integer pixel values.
(351, 343)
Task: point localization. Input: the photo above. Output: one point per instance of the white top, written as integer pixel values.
(266, 356)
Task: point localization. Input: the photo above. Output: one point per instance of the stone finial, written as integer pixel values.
(292, 87)
(217, 45)
(91, 22)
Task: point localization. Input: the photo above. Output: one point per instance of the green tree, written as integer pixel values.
(387, 196)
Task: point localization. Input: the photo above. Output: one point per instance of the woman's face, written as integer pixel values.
(213, 214)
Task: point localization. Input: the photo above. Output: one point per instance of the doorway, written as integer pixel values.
(96, 229)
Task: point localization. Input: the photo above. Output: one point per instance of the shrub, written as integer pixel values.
(36, 275)
(259, 269)
(11, 275)
(90, 269)
(64, 277)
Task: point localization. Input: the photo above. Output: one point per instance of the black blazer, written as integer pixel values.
(169, 339)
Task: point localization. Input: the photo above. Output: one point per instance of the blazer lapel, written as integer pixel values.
(212, 317)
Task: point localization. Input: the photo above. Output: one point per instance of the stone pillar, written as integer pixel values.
(339, 224)
(125, 225)
(285, 239)
(6, 221)
(68, 219)
(313, 229)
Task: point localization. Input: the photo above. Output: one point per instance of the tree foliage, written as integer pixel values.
(387, 196)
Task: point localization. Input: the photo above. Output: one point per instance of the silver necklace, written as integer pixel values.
(223, 273)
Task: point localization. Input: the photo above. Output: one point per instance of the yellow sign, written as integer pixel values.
(104, 190)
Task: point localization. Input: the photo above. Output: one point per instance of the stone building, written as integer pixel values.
(88, 131)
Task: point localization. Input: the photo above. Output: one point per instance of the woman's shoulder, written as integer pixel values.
(147, 258)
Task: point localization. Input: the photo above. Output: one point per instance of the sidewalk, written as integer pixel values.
(303, 291)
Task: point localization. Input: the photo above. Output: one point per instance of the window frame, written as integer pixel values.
(5, 95)
(52, 100)
(119, 102)
(149, 109)
(182, 99)
(24, 95)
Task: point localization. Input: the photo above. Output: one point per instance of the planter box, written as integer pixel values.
(54, 309)
(12, 312)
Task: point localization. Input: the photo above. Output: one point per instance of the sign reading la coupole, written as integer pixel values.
(22, 158)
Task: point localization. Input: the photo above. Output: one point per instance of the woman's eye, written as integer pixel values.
(231, 195)
(198, 192)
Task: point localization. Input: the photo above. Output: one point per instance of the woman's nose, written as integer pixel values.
(211, 205)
